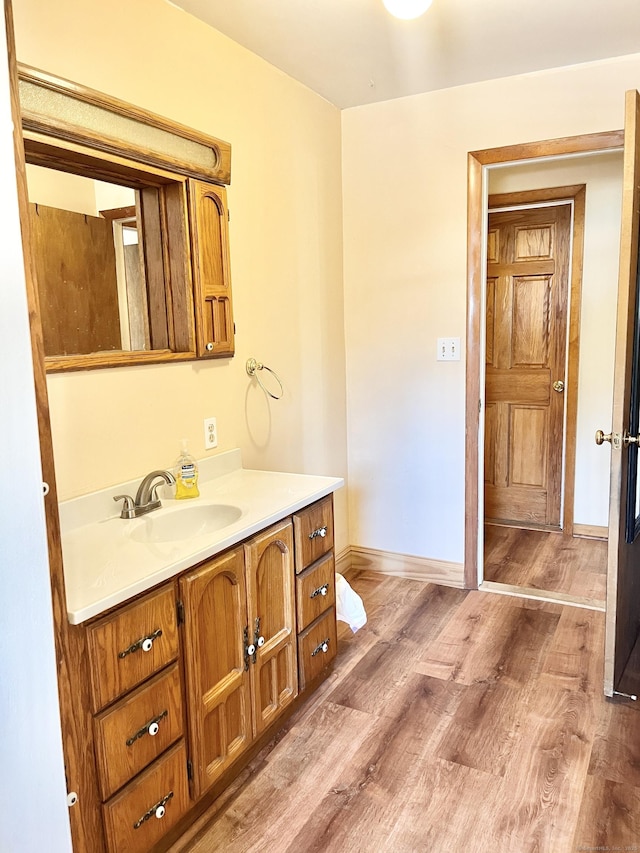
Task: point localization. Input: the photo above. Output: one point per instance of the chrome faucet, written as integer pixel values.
(147, 495)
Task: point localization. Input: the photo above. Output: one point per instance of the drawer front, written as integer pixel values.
(119, 658)
(312, 659)
(313, 528)
(130, 821)
(315, 590)
(135, 731)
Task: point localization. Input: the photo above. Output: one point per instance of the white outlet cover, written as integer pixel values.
(210, 433)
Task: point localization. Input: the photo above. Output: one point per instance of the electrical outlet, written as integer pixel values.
(448, 349)
(210, 433)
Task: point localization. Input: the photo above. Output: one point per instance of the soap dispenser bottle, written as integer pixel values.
(186, 473)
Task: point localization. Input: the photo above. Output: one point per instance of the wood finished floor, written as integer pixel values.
(453, 721)
(546, 561)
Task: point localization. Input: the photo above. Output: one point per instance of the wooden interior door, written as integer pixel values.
(623, 575)
(527, 296)
(271, 597)
(77, 289)
(218, 687)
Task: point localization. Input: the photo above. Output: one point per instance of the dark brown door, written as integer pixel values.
(527, 294)
(623, 581)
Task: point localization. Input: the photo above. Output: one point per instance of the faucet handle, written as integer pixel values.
(128, 508)
(153, 494)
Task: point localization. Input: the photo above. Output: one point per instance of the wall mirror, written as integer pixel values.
(130, 265)
(90, 265)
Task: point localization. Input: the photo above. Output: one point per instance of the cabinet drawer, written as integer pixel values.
(124, 742)
(315, 590)
(127, 827)
(312, 659)
(119, 659)
(313, 528)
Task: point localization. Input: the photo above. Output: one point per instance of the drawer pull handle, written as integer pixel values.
(144, 643)
(151, 728)
(322, 590)
(321, 531)
(158, 811)
(322, 647)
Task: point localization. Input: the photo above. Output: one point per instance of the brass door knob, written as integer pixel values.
(558, 386)
(601, 437)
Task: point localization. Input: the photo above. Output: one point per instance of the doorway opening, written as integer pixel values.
(553, 547)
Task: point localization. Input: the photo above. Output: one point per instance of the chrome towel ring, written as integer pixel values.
(254, 366)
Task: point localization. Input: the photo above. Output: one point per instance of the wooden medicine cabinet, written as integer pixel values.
(129, 225)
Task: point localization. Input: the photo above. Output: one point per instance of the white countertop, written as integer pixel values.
(107, 560)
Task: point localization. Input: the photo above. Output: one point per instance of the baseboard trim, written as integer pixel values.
(591, 531)
(406, 566)
(343, 562)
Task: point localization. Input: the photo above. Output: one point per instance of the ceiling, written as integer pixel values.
(353, 52)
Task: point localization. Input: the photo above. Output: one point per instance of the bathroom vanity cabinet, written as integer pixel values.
(187, 678)
(243, 605)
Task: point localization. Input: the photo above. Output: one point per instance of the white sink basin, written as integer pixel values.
(185, 522)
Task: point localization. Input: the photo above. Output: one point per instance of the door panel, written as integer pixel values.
(623, 577)
(271, 597)
(527, 294)
(217, 683)
(528, 441)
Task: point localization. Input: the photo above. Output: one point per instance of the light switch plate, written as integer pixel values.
(448, 349)
(210, 433)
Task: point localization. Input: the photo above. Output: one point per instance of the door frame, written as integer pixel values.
(534, 199)
(478, 163)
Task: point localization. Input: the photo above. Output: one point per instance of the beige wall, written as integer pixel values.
(405, 172)
(602, 175)
(286, 252)
(402, 177)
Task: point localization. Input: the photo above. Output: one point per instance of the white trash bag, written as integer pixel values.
(349, 606)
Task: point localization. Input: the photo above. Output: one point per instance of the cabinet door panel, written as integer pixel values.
(209, 234)
(317, 647)
(131, 824)
(316, 590)
(314, 532)
(218, 693)
(271, 598)
(122, 747)
(119, 660)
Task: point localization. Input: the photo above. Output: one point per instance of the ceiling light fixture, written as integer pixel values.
(407, 9)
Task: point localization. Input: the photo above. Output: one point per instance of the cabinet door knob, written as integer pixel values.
(158, 810)
(144, 643)
(151, 728)
(322, 590)
(260, 642)
(321, 647)
(321, 531)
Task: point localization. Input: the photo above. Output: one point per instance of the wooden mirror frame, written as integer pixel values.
(74, 129)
